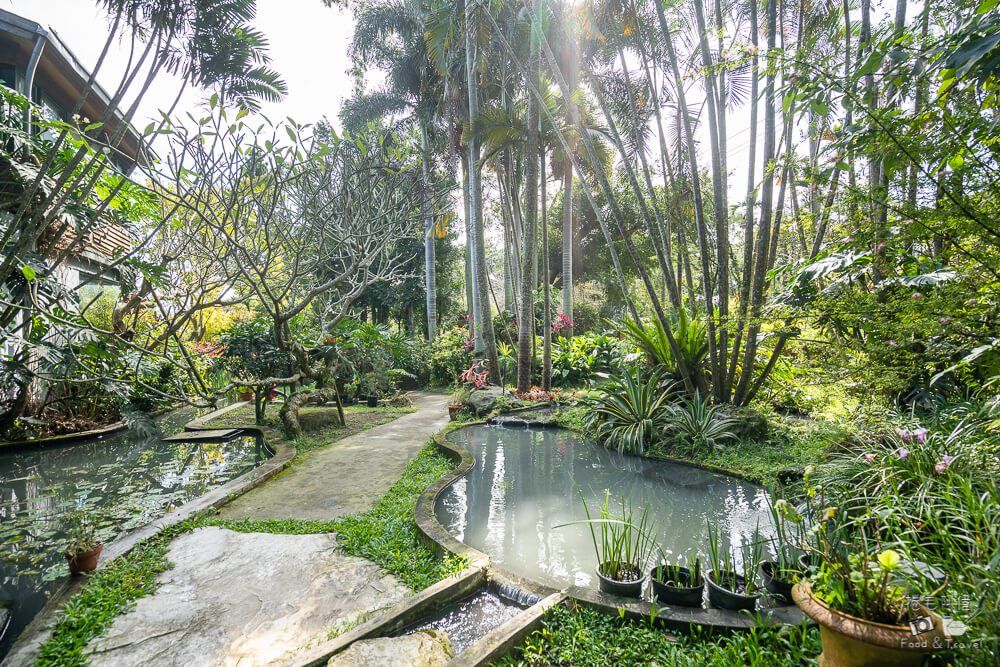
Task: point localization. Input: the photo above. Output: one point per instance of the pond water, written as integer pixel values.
(525, 483)
(123, 480)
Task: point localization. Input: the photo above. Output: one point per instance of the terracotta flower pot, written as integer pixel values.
(453, 411)
(849, 641)
(83, 561)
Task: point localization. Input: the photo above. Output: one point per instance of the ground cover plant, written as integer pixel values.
(586, 637)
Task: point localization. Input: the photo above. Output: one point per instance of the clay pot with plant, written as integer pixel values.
(623, 544)
(83, 548)
(458, 400)
(858, 594)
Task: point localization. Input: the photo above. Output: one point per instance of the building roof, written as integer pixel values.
(61, 74)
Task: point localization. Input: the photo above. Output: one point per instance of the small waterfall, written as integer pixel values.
(516, 595)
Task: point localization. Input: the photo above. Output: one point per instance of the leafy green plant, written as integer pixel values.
(691, 337)
(81, 534)
(450, 354)
(698, 424)
(588, 638)
(630, 412)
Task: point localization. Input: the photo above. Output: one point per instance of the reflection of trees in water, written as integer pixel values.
(525, 482)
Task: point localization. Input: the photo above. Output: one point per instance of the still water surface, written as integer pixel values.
(123, 480)
(525, 482)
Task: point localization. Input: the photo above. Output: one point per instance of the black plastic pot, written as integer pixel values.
(779, 588)
(684, 596)
(722, 595)
(808, 561)
(625, 589)
(373, 401)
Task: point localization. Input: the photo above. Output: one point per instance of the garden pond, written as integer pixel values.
(121, 480)
(526, 483)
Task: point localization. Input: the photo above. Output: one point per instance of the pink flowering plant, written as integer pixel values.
(476, 375)
(562, 324)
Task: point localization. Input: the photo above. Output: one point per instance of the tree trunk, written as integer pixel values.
(484, 329)
(529, 243)
(429, 267)
(567, 245)
(546, 284)
(767, 196)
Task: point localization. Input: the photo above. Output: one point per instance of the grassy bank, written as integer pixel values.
(790, 443)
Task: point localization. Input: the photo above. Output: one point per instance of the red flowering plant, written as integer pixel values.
(536, 394)
(476, 374)
(562, 324)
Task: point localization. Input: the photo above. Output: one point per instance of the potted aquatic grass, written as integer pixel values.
(732, 580)
(623, 549)
(677, 585)
(84, 548)
(781, 574)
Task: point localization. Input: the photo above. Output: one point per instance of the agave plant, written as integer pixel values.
(699, 423)
(631, 411)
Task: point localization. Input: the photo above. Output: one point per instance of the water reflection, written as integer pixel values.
(123, 480)
(525, 482)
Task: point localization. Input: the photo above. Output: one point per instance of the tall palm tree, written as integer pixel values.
(390, 35)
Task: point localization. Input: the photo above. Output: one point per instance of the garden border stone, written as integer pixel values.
(397, 617)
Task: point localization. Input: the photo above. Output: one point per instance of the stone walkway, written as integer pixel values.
(250, 598)
(351, 474)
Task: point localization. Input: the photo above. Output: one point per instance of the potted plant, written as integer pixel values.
(780, 575)
(458, 401)
(858, 597)
(732, 580)
(678, 585)
(245, 393)
(623, 549)
(369, 384)
(83, 549)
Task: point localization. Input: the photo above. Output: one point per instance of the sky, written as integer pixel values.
(308, 47)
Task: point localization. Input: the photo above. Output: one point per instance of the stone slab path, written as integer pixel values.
(351, 474)
(244, 598)
(250, 598)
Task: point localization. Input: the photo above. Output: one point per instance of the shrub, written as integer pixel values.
(696, 425)
(691, 337)
(450, 355)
